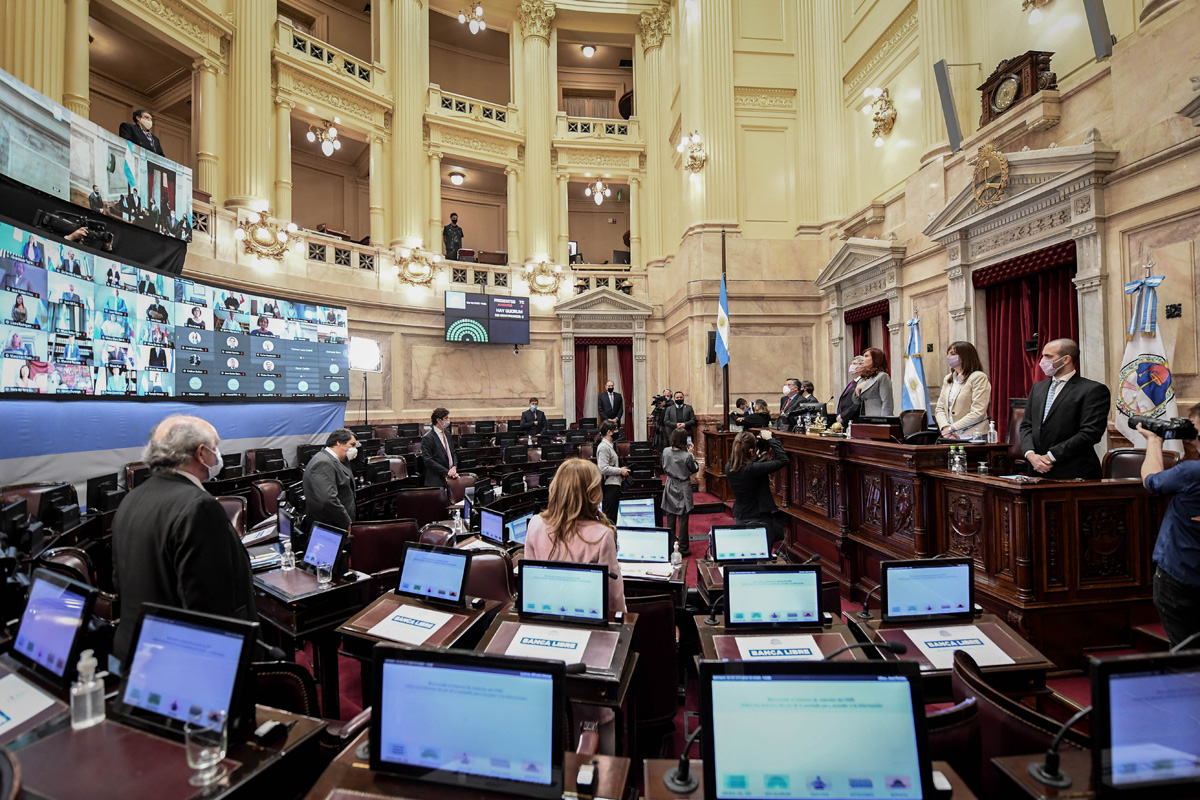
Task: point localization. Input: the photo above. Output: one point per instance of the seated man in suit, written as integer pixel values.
(139, 133)
(329, 482)
(610, 405)
(533, 422)
(791, 401)
(441, 462)
(1065, 418)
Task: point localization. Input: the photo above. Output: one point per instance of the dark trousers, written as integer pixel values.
(1178, 606)
(612, 496)
(678, 522)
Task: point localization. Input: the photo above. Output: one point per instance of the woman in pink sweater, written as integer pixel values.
(572, 528)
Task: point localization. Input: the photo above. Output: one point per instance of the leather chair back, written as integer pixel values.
(1125, 463)
(264, 499)
(458, 486)
(386, 432)
(912, 420)
(1007, 727)
(1016, 413)
(131, 470)
(437, 535)
(533, 455)
(10, 776)
(425, 505)
(69, 561)
(376, 546)
(623, 450)
(656, 680)
(587, 452)
(954, 737)
(532, 480)
(399, 468)
(491, 576)
(235, 509)
(287, 686)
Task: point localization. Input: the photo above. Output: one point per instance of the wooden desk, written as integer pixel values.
(1026, 674)
(653, 770)
(350, 778)
(292, 604)
(1076, 763)
(716, 643)
(710, 581)
(717, 449)
(675, 586)
(111, 761)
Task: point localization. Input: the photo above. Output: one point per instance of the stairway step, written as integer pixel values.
(1150, 638)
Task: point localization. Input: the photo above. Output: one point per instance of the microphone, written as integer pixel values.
(866, 609)
(899, 648)
(681, 780)
(1048, 771)
(576, 669)
(711, 619)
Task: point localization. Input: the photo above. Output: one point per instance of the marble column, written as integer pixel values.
(537, 19)
(205, 114)
(942, 34)
(512, 206)
(32, 44)
(827, 93)
(375, 188)
(409, 26)
(562, 254)
(250, 122)
(635, 222)
(653, 27)
(75, 65)
(715, 120)
(434, 242)
(283, 158)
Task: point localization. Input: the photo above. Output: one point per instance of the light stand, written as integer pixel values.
(365, 356)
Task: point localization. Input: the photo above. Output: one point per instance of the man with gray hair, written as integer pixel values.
(847, 408)
(172, 541)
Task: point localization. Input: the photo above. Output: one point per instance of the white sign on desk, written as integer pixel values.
(410, 624)
(938, 645)
(19, 702)
(557, 644)
(796, 647)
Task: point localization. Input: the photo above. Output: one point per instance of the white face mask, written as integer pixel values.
(787, 389)
(351, 453)
(146, 124)
(533, 407)
(216, 468)
(445, 424)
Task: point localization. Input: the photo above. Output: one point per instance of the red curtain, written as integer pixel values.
(625, 364)
(860, 333)
(581, 378)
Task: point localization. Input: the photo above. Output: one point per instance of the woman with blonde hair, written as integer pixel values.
(572, 528)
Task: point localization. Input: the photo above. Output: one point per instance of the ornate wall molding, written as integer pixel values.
(750, 97)
(896, 36)
(293, 82)
(191, 23)
(597, 158)
(537, 17)
(654, 26)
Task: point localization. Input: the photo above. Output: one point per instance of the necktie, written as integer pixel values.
(1050, 399)
(446, 445)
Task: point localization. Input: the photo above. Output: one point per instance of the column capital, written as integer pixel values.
(375, 138)
(511, 170)
(436, 155)
(537, 18)
(654, 25)
(634, 180)
(206, 65)
(563, 176)
(283, 102)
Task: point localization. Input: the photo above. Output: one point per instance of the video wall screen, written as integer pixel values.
(483, 318)
(75, 323)
(44, 146)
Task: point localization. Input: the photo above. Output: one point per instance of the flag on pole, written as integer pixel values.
(1145, 384)
(723, 327)
(916, 392)
(130, 164)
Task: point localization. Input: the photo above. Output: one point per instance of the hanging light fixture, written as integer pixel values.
(327, 135)
(457, 178)
(597, 191)
(588, 51)
(472, 17)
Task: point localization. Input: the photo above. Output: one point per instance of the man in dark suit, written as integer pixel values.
(441, 461)
(329, 482)
(139, 133)
(848, 402)
(611, 405)
(679, 415)
(533, 422)
(1065, 418)
(95, 199)
(790, 402)
(172, 541)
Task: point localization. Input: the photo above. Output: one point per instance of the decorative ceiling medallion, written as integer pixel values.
(991, 176)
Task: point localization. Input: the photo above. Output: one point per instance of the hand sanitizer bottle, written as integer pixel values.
(676, 556)
(87, 694)
(287, 561)
(457, 526)
(993, 436)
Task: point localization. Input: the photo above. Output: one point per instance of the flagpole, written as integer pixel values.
(724, 369)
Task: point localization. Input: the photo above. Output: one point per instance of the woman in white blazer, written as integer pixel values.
(962, 407)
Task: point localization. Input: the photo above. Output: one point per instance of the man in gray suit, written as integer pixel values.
(329, 483)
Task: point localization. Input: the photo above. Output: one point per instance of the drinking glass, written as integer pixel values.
(205, 741)
(324, 574)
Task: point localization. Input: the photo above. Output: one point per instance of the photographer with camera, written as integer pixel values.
(658, 406)
(76, 228)
(1177, 551)
(747, 472)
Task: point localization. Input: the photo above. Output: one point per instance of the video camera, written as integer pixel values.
(64, 224)
(1174, 428)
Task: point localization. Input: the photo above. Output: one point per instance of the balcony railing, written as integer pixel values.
(309, 48)
(443, 103)
(624, 130)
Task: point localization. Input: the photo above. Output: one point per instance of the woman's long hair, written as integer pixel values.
(743, 451)
(878, 363)
(575, 495)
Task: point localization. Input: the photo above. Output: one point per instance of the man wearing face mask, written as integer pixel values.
(533, 422)
(1065, 418)
(679, 415)
(791, 400)
(172, 541)
(437, 450)
(848, 407)
(329, 481)
(611, 405)
(139, 133)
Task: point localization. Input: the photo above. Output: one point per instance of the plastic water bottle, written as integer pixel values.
(87, 694)
(676, 556)
(458, 523)
(287, 561)
(993, 436)
(962, 459)
(952, 459)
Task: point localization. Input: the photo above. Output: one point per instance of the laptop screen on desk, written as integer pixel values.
(563, 591)
(517, 529)
(740, 543)
(773, 595)
(636, 513)
(284, 518)
(644, 544)
(433, 573)
(324, 545)
(449, 718)
(491, 525)
(927, 590)
(835, 731)
(46, 638)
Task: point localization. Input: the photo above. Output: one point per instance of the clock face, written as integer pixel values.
(1005, 93)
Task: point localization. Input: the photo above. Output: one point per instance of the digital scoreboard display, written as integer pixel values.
(483, 319)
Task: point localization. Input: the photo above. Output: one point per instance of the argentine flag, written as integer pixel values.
(723, 327)
(130, 164)
(916, 391)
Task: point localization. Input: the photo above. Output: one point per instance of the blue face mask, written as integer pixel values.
(533, 408)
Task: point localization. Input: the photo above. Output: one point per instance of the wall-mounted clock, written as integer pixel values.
(1014, 80)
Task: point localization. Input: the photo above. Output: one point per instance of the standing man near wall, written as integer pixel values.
(452, 238)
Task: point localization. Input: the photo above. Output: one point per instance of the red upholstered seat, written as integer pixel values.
(235, 509)
(491, 576)
(1126, 462)
(425, 505)
(375, 547)
(264, 499)
(458, 486)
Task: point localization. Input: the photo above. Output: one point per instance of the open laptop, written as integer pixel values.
(644, 552)
(434, 574)
(183, 665)
(773, 596)
(446, 716)
(1145, 725)
(326, 545)
(636, 512)
(837, 730)
(516, 529)
(52, 630)
(734, 544)
(560, 591)
(925, 590)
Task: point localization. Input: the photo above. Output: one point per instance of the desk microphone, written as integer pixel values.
(866, 609)
(576, 669)
(814, 558)
(1048, 772)
(711, 619)
(681, 780)
(899, 648)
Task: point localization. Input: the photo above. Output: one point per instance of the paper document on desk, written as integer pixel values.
(19, 702)
(939, 644)
(795, 647)
(410, 624)
(556, 644)
(651, 570)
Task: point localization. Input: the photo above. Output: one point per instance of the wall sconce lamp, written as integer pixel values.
(263, 237)
(1034, 7)
(543, 278)
(882, 113)
(695, 156)
(416, 266)
(457, 178)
